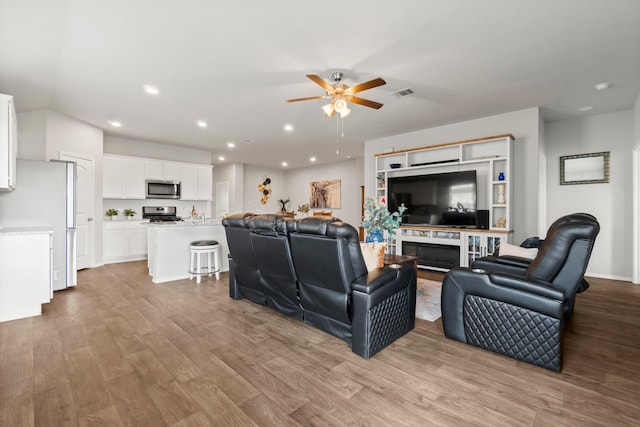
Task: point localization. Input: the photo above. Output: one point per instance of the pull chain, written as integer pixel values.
(337, 133)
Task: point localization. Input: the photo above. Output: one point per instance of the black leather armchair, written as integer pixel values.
(522, 315)
(369, 310)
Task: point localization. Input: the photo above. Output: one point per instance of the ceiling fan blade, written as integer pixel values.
(306, 99)
(367, 85)
(365, 102)
(317, 79)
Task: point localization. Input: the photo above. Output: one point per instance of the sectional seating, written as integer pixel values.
(312, 269)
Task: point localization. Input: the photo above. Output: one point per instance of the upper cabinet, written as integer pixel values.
(124, 177)
(8, 143)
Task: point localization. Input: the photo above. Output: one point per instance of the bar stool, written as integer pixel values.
(200, 248)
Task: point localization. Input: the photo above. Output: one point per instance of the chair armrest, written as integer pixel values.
(504, 264)
(537, 296)
(373, 280)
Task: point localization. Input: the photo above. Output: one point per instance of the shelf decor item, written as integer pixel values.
(378, 219)
(111, 213)
(501, 176)
(129, 213)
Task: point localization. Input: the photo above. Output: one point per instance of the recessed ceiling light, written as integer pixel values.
(115, 123)
(201, 123)
(231, 144)
(285, 164)
(603, 86)
(288, 128)
(152, 90)
(221, 158)
(586, 108)
(312, 159)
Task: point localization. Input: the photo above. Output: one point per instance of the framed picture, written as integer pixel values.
(591, 168)
(324, 194)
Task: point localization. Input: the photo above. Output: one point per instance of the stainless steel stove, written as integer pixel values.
(160, 213)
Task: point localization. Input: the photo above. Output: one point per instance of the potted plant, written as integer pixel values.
(378, 219)
(111, 213)
(129, 213)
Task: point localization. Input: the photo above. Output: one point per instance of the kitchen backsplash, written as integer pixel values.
(183, 207)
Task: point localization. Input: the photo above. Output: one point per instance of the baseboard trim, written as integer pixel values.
(608, 276)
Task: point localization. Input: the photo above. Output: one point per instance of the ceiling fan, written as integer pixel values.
(341, 94)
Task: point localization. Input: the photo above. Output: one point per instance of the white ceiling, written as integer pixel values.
(233, 63)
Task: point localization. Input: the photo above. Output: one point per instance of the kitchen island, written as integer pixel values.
(169, 242)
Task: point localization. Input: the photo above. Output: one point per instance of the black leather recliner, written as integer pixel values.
(244, 275)
(270, 239)
(335, 292)
(522, 315)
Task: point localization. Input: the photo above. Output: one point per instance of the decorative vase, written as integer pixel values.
(501, 176)
(375, 236)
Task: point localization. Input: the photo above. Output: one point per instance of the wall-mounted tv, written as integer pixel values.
(444, 199)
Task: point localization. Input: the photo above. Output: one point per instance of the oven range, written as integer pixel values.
(160, 213)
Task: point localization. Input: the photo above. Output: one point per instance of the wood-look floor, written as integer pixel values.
(120, 350)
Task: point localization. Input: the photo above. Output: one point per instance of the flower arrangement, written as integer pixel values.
(129, 212)
(111, 213)
(377, 217)
(303, 208)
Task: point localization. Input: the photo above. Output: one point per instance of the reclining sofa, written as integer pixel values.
(517, 307)
(312, 269)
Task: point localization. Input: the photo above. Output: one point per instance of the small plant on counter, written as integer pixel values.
(129, 212)
(111, 213)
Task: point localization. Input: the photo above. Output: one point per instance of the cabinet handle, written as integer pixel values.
(89, 219)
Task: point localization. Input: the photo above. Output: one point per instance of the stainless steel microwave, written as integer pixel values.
(157, 189)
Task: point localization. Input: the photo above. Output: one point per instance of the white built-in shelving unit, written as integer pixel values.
(491, 158)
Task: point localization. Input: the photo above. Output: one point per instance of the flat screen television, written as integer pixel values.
(439, 199)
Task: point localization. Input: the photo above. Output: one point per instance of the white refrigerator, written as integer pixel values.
(45, 196)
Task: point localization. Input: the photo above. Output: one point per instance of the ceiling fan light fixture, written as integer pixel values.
(328, 109)
(345, 112)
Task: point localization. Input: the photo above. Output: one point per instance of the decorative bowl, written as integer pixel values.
(395, 165)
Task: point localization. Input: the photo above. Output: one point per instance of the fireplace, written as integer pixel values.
(430, 255)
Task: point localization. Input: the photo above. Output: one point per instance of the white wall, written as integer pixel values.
(611, 203)
(254, 176)
(351, 176)
(154, 150)
(32, 135)
(524, 125)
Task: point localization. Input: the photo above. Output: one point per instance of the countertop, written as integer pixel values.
(25, 230)
(183, 224)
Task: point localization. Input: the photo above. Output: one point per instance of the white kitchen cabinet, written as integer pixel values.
(163, 170)
(134, 187)
(124, 241)
(153, 169)
(8, 143)
(122, 178)
(205, 183)
(25, 272)
(112, 177)
(189, 180)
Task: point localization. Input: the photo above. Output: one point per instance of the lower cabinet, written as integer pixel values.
(480, 245)
(124, 241)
